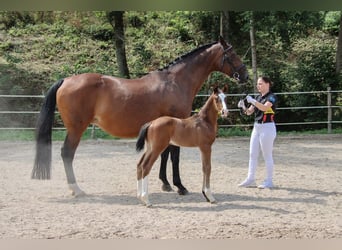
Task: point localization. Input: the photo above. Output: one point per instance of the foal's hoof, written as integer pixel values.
(182, 191)
(208, 196)
(167, 188)
(145, 201)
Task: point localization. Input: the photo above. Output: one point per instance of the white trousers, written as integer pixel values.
(262, 139)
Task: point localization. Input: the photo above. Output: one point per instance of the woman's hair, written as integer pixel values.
(267, 80)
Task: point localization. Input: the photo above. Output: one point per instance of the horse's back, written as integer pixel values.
(114, 104)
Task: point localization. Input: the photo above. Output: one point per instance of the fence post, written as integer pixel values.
(92, 134)
(329, 109)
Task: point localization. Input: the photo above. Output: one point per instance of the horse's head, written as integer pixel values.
(231, 63)
(220, 101)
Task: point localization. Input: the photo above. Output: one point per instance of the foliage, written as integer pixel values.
(37, 48)
(332, 22)
(314, 71)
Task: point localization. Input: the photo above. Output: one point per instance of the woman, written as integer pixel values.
(263, 134)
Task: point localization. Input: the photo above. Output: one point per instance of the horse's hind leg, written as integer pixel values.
(175, 152)
(68, 152)
(143, 169)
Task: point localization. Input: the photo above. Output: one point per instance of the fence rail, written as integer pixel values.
(327, 107)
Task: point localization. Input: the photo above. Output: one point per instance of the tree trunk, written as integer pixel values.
(116, 20)
(253, 50)
(339, 49)
(224, 25)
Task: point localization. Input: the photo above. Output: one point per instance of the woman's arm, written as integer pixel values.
(260, 106)
(263, 107)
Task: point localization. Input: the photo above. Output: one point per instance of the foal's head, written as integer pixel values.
(220, 101)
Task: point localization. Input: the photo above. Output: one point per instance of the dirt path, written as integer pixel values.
(306, 203)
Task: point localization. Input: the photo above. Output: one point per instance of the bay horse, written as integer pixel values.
(121, 106)
(198, 130)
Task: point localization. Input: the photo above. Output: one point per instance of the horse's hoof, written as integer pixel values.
(78, 194)
(76, 191)
(167, 188)
(182, 191)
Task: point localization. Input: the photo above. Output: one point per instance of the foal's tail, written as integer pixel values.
(142, 137)
(42, 162)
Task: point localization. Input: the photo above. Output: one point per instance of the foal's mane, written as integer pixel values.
(181, 58)
(210, 101)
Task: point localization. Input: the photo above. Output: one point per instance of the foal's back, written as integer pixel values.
(194, 131)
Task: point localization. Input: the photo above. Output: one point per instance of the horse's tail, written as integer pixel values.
(42, 162)
(142, 137)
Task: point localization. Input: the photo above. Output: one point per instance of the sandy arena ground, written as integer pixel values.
(306, 202)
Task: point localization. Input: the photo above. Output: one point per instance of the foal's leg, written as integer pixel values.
(68, 152)
(144, 167)
(139, 176)
(206, 168)
(162, 171)
(175, 152)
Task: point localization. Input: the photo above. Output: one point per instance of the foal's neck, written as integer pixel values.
(209, 111)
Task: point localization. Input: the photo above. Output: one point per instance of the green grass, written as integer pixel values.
(227, 132)
(311, 132)
(59, 135)
(235, 131)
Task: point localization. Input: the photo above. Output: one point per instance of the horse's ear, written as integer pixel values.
(214, 88)
(223, 42)
(225, 88)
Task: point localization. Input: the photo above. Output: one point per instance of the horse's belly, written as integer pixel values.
(117, 129)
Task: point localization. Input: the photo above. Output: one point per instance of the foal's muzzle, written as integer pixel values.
(224, 113)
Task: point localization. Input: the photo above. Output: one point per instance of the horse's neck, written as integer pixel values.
(193, 71)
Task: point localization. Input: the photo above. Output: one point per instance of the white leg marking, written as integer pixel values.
(139, 188)
(144, 193)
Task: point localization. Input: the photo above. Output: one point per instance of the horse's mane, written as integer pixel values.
(181, 58)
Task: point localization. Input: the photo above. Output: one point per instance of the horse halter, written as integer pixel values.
(226, 57)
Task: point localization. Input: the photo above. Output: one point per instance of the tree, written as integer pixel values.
(116, 20)
(224, 25)
(253, 49)
(339, 49)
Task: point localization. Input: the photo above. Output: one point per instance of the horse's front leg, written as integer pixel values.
(162, 171)
(206, 168)
(175, 152)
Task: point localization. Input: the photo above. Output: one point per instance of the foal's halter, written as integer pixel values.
(226, 57)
